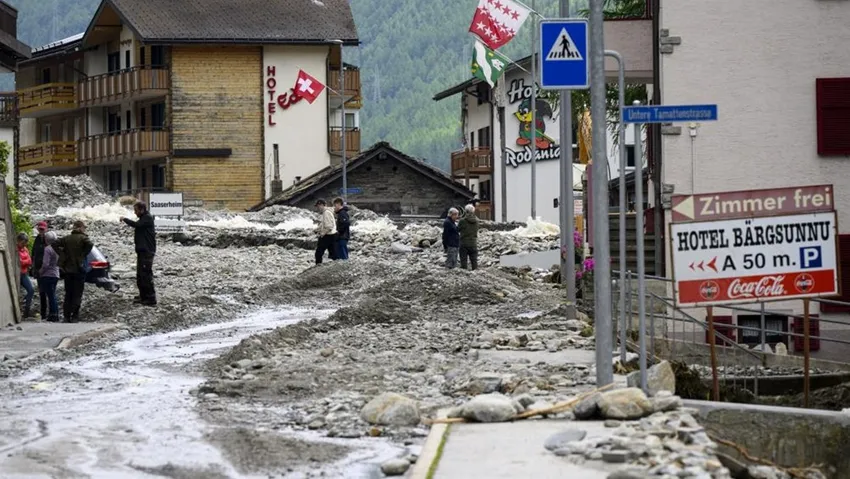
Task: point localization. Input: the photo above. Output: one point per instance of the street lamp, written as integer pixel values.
(341, 93)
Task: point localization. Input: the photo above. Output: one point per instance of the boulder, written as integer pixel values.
(395, 467)
(391, 409)
(665, 401)
(625, 404)
(561, 439)
(588, 408)
(781, 349)
(489, 408)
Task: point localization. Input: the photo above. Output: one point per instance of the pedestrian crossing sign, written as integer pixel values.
(564, 48)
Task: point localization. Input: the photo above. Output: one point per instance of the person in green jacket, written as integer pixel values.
(74, 249)
(469, 238)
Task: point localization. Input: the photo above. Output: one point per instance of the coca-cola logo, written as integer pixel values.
(709, 290)
(764, 287)
(804, 283)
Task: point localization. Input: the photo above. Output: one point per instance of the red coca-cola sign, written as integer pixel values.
(756, 288)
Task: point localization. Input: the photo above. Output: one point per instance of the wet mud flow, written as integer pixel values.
(127, 412)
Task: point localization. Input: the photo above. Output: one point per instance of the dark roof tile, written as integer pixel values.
(239, 21)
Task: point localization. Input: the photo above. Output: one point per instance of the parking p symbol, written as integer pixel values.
(810, 257)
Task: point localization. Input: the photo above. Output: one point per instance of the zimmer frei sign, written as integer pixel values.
(756, 250)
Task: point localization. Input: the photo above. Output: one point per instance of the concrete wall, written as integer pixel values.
(389, 186)
(301, 131)
(788, 437)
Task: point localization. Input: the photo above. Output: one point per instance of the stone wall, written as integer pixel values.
(390, 187)
(217, 103)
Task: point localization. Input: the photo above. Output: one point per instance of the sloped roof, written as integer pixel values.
(9, 44)
(325, 176)
(236, 21)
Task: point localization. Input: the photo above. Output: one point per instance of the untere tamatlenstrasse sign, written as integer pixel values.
(755, 259)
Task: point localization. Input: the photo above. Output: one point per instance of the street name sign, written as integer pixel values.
(751, 203)
(564, 59)
(758, 259)
(669, 113)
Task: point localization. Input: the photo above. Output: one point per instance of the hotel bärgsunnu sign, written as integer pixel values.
(754, 246)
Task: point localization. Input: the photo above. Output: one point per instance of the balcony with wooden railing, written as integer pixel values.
(352, 141)
(48, 156)
(484, 210)
(8, 109)
(472, 161)
(137, 83)
(127, 145)
(47, 99)
(352, 90)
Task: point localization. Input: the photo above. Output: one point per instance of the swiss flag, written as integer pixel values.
(308, 87)
(496, 22)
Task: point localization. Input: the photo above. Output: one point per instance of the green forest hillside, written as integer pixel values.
(411, 49)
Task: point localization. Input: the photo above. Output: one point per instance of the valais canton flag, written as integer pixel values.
(497, 21)
(308, 87)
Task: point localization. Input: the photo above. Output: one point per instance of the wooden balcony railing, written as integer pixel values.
(474, 160)
(352, 82)
(50, 96)
(352, 141)
(484, 210)
(136, 144)
(131, 83)
(8, 108)
(45, 156)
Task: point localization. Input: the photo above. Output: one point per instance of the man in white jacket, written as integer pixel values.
(326, 231)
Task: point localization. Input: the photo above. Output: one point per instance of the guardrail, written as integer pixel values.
(681, 332)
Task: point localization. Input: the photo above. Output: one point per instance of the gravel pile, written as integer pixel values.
(43, 195)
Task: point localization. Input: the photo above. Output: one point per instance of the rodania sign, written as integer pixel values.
(519, 94)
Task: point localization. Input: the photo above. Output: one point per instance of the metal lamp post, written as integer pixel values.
(343, 131)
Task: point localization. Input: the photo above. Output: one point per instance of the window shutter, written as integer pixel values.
(833, 116)
(844, 278)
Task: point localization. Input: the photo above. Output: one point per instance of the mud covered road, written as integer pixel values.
(127, 411)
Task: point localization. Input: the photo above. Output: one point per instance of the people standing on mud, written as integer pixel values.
(74, 249)
(48, 278)
(468, 228)
(326, 232)
(343, 228)
(144, 238)
(38, 247)
(26, 262)
(451, 238)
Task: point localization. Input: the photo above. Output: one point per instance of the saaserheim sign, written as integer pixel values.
(519, 97)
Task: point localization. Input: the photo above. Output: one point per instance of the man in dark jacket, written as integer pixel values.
(343, 229)
(74, 249)
(145, 240)
(469, 238)
(38, 246)
(451, 238)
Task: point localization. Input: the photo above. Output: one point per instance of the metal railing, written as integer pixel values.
(676, 334)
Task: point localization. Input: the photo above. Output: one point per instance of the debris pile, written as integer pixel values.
(43, 195)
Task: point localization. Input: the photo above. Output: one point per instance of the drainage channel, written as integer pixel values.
(127, 412)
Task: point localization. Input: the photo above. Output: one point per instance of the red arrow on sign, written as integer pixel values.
(713, 264)
(700, 266)
(692, 266)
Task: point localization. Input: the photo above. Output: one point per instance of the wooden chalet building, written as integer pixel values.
(12, 51)
(381, 179)
(192, 97)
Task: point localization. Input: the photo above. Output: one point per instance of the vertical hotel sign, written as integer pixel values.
(754, 246)
(284, 100)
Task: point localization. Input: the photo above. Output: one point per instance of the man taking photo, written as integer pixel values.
(145, 239)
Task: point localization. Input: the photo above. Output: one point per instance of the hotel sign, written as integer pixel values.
(284, 100)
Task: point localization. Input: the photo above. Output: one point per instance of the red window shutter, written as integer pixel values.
(844, 278)
(833, 116)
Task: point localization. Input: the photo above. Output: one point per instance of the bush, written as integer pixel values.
(21, 219)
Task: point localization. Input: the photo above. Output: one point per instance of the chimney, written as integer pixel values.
(277, 184)
(297, 180)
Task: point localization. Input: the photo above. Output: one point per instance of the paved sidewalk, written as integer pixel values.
(512, 450)
(28, 338)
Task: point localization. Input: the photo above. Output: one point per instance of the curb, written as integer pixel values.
(69, 342)
(431, 451)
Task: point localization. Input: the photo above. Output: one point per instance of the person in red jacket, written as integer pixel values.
(26, 262)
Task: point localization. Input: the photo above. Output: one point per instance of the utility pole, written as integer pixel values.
(533, 112)
(567, 203)
(601, 248)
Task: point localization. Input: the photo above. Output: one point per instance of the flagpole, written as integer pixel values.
(533, 115)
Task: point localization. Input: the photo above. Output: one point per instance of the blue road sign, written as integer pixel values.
(351, 191)
(669, 114)
(564, 60)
